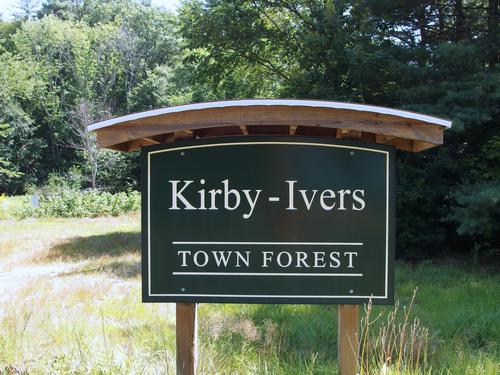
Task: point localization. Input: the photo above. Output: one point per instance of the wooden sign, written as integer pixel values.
(268, 220)
(291, 218)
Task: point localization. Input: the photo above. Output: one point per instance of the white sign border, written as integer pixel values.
(386, 153)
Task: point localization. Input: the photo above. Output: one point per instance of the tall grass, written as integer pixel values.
(91, 320)
(398, 345)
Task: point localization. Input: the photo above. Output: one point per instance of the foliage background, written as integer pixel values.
(72, 63)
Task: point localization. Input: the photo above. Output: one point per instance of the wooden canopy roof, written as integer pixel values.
(405, 130)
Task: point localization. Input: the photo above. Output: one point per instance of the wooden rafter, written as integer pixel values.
(413, 132)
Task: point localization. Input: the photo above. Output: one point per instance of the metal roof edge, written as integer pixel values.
(272, 102)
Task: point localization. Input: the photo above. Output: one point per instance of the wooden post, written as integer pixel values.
(348, 335)
(186, 338)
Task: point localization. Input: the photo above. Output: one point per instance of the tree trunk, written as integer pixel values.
(94, 174)
(441, 20)
(493, 34)
(460, 24)
(422, 23)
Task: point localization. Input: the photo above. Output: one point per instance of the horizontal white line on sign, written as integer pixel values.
(263, 274)
(274, 199)
(267, 243)
(259, 296)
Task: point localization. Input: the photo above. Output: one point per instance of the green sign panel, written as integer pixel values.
(268, 220)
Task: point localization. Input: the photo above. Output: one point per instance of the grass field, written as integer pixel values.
(70, 304)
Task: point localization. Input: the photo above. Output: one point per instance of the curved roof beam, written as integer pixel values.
(404, 129)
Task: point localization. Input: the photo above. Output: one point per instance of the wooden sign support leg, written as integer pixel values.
(348, 334)
(187, 338)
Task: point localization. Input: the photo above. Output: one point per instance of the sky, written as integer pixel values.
(7, 7)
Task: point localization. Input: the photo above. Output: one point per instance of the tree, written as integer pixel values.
(437, 57)
(62, 9)
(26, 8)
(83, 116)
(98, 59)
(82, 60)
(6, 167)
(20, 147)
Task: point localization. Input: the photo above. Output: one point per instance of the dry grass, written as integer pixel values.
(70, 298)
(86, 326)
(33, 236)
(392, 342)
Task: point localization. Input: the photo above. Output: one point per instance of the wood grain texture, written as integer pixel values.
(272, 120)
(348, 331)
(186, 338)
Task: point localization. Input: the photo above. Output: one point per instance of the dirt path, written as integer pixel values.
(25, 267)
(16, 278)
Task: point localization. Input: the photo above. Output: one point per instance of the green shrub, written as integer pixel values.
(9, 205)
(75, 203)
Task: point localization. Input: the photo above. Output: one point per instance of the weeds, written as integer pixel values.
(398, 345)
(91, 320)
